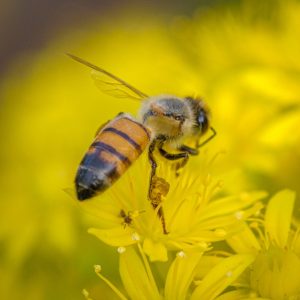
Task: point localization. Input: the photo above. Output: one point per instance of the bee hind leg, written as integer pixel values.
(153, 165)
(158, 187)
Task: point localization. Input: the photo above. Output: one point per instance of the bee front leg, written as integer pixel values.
(184, 156)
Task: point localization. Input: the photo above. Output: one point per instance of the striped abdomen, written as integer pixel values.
(114, 149)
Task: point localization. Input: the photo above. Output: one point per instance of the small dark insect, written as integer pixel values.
(127, 219)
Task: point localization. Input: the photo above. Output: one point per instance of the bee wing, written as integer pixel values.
(111, 84)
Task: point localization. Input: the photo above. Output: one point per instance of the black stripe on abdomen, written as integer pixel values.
(125, 137)
(141, 126)
(105, 147)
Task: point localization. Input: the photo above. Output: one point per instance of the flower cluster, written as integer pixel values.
(263, 262)
(196, 213)
(274, 240)
(218, 247)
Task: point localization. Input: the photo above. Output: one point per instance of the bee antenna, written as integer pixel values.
(214, 133)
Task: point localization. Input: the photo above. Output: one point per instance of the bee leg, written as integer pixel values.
(214, 133)
(170, 156)
(153, 164)
(189, 150)
(153, 195)
(161, 215)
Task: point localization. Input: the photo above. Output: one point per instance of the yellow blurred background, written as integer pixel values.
(242, 57)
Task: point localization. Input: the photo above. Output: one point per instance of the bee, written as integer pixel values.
(164, 122)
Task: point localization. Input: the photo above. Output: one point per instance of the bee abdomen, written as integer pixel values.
(114, 149)
(125, 137)
(88, 183)
(103, 147)
(96, 172)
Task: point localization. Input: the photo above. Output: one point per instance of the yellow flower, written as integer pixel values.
(275, 241)
(194, 217)
(178, 279)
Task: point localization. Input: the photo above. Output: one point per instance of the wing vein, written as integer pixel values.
(119, 82)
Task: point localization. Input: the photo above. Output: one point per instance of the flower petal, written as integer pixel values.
(155, 251)
(221, 276)
(181, 275)
(230, 205)
(235, 295)
(207, 263)
(134, 276)
(117, 236)
(244, 241)
(240, 295)
(278, 216)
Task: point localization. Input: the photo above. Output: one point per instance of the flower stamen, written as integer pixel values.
(146, 264)
(86, 294)
(263, 238)
(229, 274)
(220, 253)
(181, 254)
(295, 238)
(111, 285)
(214, 189)
(121, 250)
(239, 215)
(135, 236)
(220, 232)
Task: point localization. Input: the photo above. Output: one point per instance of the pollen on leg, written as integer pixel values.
(160, 187)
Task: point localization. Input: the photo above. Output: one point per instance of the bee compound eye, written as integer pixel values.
(202, 120)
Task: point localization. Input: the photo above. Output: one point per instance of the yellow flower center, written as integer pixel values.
(275, 274)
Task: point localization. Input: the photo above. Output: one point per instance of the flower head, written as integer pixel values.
(274, 240)
(179, 283)
(194, 217)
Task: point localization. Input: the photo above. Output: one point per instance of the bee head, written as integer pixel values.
(201, 114)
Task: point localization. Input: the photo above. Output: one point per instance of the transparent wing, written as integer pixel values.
(111, 84)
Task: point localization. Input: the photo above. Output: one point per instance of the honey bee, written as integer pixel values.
(164, 121)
